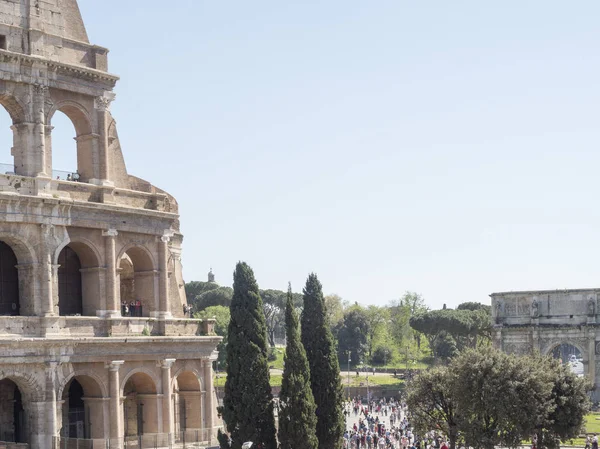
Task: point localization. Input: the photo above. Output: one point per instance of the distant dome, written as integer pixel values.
(211, 276)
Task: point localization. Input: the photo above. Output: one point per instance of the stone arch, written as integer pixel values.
(140, 402)
(548, 347)
(88, 156)
(92, 375)
(30, 387)
(26, 267)
(86, 249)
(82, 396)
(140, 370)
(138, 279)
(187, 389)
(22, 248)
(77, 113)
(14, 107)
(188, 368)
(89, 275)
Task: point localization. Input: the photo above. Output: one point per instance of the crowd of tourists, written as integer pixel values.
(370, 431)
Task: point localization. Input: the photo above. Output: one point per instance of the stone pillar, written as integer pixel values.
(110, 254)
(167, 401)
(210, 406)
(102, 106)
(39, 130)
(46, 269)
(592, 356)
(51, 421)
(48, 149)
(95, 418)
(163, 282)
(116, 423)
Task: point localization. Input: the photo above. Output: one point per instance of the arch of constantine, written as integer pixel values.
(95, 343)
(549, 322)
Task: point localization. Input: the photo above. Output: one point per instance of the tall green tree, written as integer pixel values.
(325, 377)
(248, 402)
(353, 336)
(297, 418)
(223, 316)
(432, 405)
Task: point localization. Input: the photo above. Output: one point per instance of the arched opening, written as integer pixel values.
(9, 281)
(68, 160)
(140, 407)
(571, 355)
(137, 283)
(13, 419)
(79, 289)
(63, 148)
(7, 136)
(70, 296)
(82, 412)
(187, 397)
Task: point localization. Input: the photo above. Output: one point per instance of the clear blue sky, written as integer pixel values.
(449, 148)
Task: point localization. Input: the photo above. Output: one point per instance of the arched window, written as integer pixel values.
(140, 406)
(82, 411)
(7, 164)
(188, 410)
(70, 298)
(137, 275)
(14, 426)
(63, 147)
(9, 281)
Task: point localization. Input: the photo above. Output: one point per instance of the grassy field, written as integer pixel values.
(389, 382)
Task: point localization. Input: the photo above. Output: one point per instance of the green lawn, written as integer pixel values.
(277, 363)
(592, 423)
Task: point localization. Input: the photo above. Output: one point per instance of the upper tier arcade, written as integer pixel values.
(47, 65)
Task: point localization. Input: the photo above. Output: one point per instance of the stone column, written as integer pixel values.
(592, 356)
(167, 402)
(116, 423)
(209, 403)
(39, 131)
(110, 254)
(163, 282)
(48, 149)
(46, 269)
(51, 429)
(102, 106)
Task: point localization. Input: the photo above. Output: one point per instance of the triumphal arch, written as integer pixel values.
(563, 323)
(96, 342)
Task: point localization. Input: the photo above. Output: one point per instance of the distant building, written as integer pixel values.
(561, 323)
(93, 337)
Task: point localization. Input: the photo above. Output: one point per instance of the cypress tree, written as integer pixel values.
(248, 402)
(325, 379)
(297, 418)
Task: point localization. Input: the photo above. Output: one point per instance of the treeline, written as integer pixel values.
(401, 333)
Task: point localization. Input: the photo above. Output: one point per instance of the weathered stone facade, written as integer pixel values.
(540, 321)
(94, 341)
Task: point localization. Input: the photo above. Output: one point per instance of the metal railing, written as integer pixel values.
(188, 439)
(62, 175)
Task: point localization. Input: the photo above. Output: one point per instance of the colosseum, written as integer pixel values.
(96, 346)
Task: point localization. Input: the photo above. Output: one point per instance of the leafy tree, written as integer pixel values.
(381, 355)
(222, 315)
(377, 319)
(196, 288)
(432, 405)
(297, 418)
(411, 304)
(501, 398)
(335, 309)
(570, 404)
(218, 296)
(324, 367)
(352, 335)
(445, 346)
(248, 402)
(474, 306)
